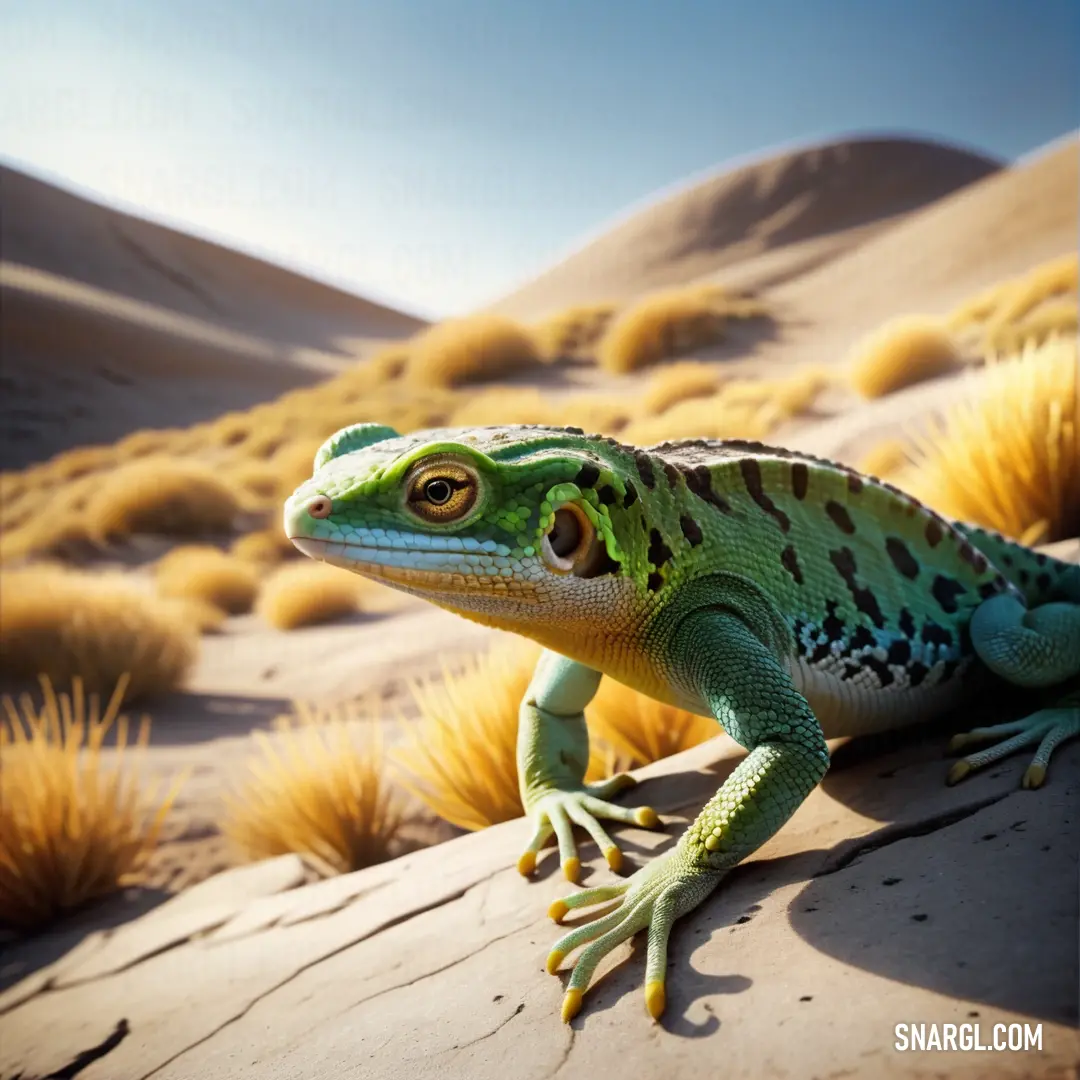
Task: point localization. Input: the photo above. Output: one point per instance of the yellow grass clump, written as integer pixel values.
(642, 729)
(389, 363)
(573, 331)
(308, 593)
(264, 547)
(460, 759)
(658, 326)
(471, 349)
(885, 459)
(72, 827)
(1052, 318)
(200, 572)
(679, 382)
(204, 616)
(903, 351)
(315, 790)
(65, 624)
(505, 406)
(166, 496)
(699, 418)
(1049, 279)
(1009, 458)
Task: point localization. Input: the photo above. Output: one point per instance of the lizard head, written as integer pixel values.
(515, 526)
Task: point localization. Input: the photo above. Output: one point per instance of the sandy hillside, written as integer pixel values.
(761, 222)
(112, 323)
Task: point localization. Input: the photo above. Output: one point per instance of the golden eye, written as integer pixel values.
(442, 491)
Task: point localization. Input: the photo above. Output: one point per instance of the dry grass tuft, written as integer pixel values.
(266, 547)
(314, 790)
(700, 418)
(1009, 459)
(72, 829)
(310, 593)
(1049, 279)
(1057, 317)
(903, 351)
(642, 729)
(199, 572)
(659, 326)
(471, 349)
(166, 496)
(574, 331)
(505, 406)
(204, 616)
(65, 624)
(390, 363)
(885, 459)
(679, 382)
(460, 760)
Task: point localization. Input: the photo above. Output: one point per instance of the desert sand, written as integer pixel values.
(888, 897)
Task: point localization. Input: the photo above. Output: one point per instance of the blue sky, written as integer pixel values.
(434, 153)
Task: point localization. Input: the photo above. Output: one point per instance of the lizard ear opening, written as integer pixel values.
(352, 438)
(573, 546)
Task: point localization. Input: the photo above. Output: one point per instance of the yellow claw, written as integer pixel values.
(555, 958)
(572, 868)
(527, 863)
(614, 858)
(655, 998)
(571, 1005)
(558, 910)
(958, 772)
(958, 742)
(646, 817)
(1034, 776)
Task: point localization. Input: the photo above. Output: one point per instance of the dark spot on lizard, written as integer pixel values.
(654, 582)
(587, 475)
(671, 473)
(851, 669)
(1043, 582)
(645, 469)
(630, 497)
(948, 670)
(699, 481)
(790, 562)
(975, 559)
(606, 494)
(865, 600)
(863, 638)
(902, 559)
(906, 623)
(690, 529)
(900, 652)
(751, 474)
(945, 590)
(854, 483)
(932, 634)
(1024, 577)
(659, 552)
(833, 625)
(933, 532)
(885, 676)
(800, 480)
(917, 672)
(1040, 558)
(992, 588)
(840, 517)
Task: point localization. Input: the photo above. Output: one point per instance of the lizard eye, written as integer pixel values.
(442, 491)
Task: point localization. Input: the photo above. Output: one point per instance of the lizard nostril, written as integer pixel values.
(319, 507)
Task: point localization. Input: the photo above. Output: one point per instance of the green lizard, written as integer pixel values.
(791, 598)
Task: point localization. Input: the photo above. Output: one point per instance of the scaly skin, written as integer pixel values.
(791, 598)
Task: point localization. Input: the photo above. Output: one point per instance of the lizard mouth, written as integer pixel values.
(442, 571)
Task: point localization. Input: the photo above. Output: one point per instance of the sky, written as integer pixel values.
(434, 154)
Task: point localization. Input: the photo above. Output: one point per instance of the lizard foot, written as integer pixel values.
(654, 897)
(558, 811)
(1048, 728)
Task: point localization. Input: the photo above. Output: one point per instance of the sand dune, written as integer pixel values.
(112, 323)
(813, 202)
(994, 229)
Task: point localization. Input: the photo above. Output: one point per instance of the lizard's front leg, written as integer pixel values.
(716, 655)
(553, 755)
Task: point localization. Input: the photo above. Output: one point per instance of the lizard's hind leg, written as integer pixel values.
(1030, 648)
